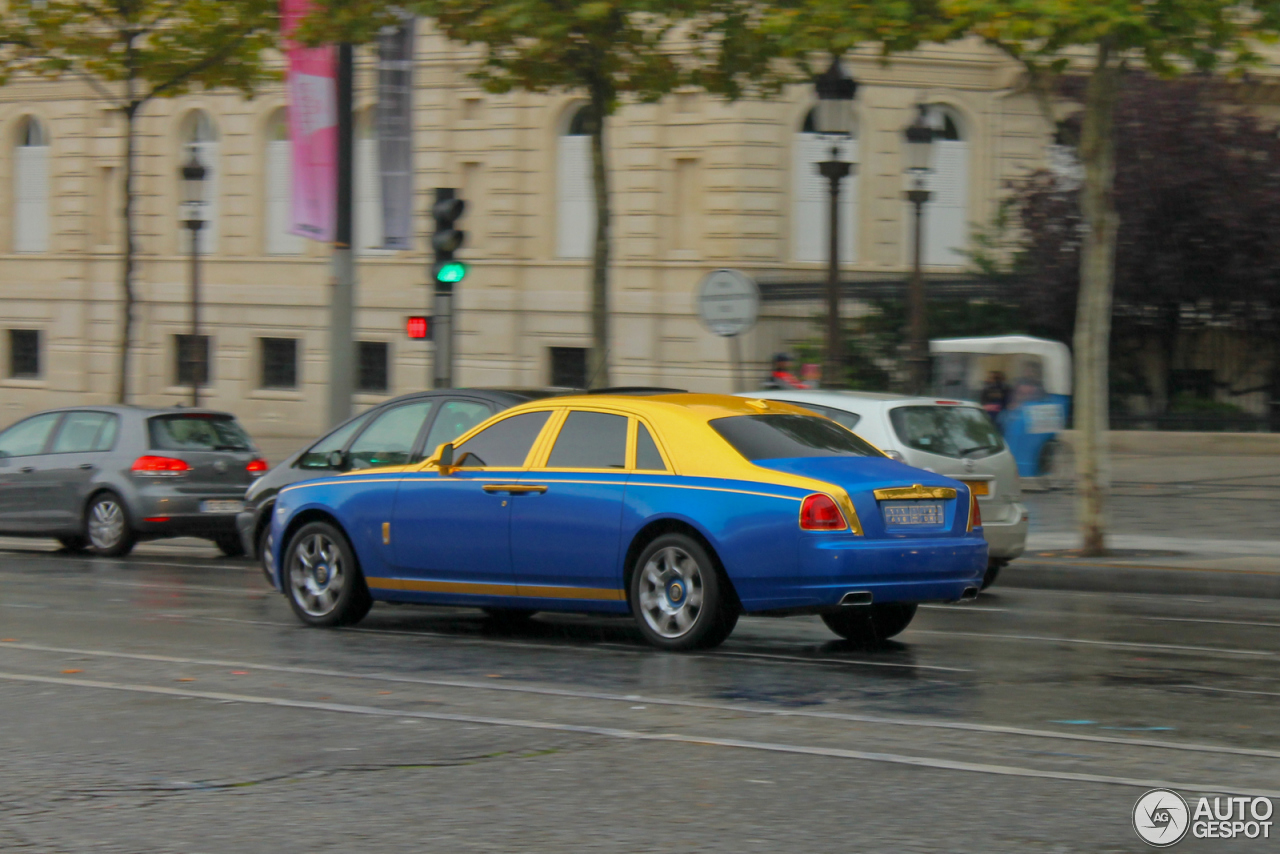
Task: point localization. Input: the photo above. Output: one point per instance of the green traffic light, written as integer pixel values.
(454, 271)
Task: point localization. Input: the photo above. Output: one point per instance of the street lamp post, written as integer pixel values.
(834, 117)
(193, 174)
(919, 139)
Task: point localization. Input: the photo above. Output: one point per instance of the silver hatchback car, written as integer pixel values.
(950, 437)
(104, 477)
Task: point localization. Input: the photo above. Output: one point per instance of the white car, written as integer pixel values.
(950, 437)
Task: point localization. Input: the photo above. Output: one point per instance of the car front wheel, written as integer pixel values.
(870, 624)
(678, 598)
(107, 526)
(322, 580)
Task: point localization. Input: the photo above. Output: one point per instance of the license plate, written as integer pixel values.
(213, 506)
(915, 513)
(979, 487)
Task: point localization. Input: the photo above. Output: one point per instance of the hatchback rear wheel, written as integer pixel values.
(322, 580)
(870, 624)
(107, 527)
(678, 598)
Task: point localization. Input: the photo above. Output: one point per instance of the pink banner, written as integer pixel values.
(313, 128)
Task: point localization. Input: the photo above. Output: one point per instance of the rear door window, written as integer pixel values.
(388, 440)
(27, 438)
(197, 432)
(83, 432)
(773, 437)
(502, 445)
(949, 431)
(591, 440)
(648, 457)
(454, 418)
(317, 456)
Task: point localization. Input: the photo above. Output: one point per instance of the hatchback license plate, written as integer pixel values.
(221, 506)
(915, 513)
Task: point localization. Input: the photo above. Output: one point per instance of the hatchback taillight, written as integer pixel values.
(975, 512)
(154, 466)
(820, 513)
(256, 467)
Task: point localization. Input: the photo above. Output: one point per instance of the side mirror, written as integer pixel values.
(445, 456)
(337, 460)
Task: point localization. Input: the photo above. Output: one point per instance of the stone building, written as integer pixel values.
(699, 183)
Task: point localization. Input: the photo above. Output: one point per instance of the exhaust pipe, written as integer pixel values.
(969, 594)
(857, 597)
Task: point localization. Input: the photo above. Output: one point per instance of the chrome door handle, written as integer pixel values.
(513, 488)
(27, 469)
(87, 466)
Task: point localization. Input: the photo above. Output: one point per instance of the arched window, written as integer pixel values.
(278, 207)
(575, 190)
(946, 217)
(199, 131)
(368, 200)
(31, 188)
(811, 218)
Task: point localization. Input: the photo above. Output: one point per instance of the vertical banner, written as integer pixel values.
(313, 129)
(395, 133)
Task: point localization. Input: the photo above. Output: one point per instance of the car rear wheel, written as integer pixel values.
(107, 527)
(265, 558)
(323, 582)
(678, 598)
(870, 624)
(229, 544)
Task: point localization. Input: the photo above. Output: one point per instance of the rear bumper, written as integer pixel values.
(890, 570)
(1007, 539)
(194, 525)
(161, 511)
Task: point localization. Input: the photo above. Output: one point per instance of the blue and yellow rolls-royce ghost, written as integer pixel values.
(685, 510)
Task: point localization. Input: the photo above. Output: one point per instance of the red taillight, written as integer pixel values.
(975, 512)
(160, 466)
(820, 513)
(257, 466)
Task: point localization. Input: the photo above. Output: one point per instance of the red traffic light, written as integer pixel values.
(418, 327)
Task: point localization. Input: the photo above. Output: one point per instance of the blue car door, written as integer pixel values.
(566, 523)
(450, 533)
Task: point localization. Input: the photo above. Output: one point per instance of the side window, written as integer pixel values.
(454, 418)
(28, 437)
(317, 456)
(505, 444)
(591, 440)
(648, 457)
(107, 435)
(389, 438)
(845, 419)
(82, 432)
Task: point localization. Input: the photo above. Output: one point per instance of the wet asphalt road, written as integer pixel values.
(169, 702)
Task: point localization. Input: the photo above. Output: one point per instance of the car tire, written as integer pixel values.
(74, 544)
(993, 572)
(229, 544)
(263, 552)
(106, 526)
(509, 616)
(678, 598)
(322, 579)
(870, 624)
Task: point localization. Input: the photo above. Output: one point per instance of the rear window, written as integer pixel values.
(772, 437)
(949, 431)
(197, 433)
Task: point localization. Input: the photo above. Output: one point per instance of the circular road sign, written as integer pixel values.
(728, 302)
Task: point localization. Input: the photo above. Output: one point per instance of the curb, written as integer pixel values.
(1121, 578)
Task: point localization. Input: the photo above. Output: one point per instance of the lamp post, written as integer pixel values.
(919, 139)
(834, 117)
(193, 174)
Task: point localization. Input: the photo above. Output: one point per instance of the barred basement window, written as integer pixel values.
(569, 367)
(24, 353)
(279, 362)
(189, 361)
(374, 358)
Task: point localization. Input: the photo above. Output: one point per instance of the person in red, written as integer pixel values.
(782, 377)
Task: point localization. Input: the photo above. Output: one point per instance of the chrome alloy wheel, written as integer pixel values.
(317, 575)
(106, 523)
(671, 592)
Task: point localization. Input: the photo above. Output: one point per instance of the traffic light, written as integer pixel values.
(447, 238)
(418, 327)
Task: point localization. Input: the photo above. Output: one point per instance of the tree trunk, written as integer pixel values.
(126, 326)
(1093, 315)
(598, 356)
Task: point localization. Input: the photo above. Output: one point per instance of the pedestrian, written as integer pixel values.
(782, 376)
(994, 396)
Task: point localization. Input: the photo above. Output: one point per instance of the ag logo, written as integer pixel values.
(1161, 818)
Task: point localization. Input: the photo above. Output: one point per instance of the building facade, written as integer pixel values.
(698, 183)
